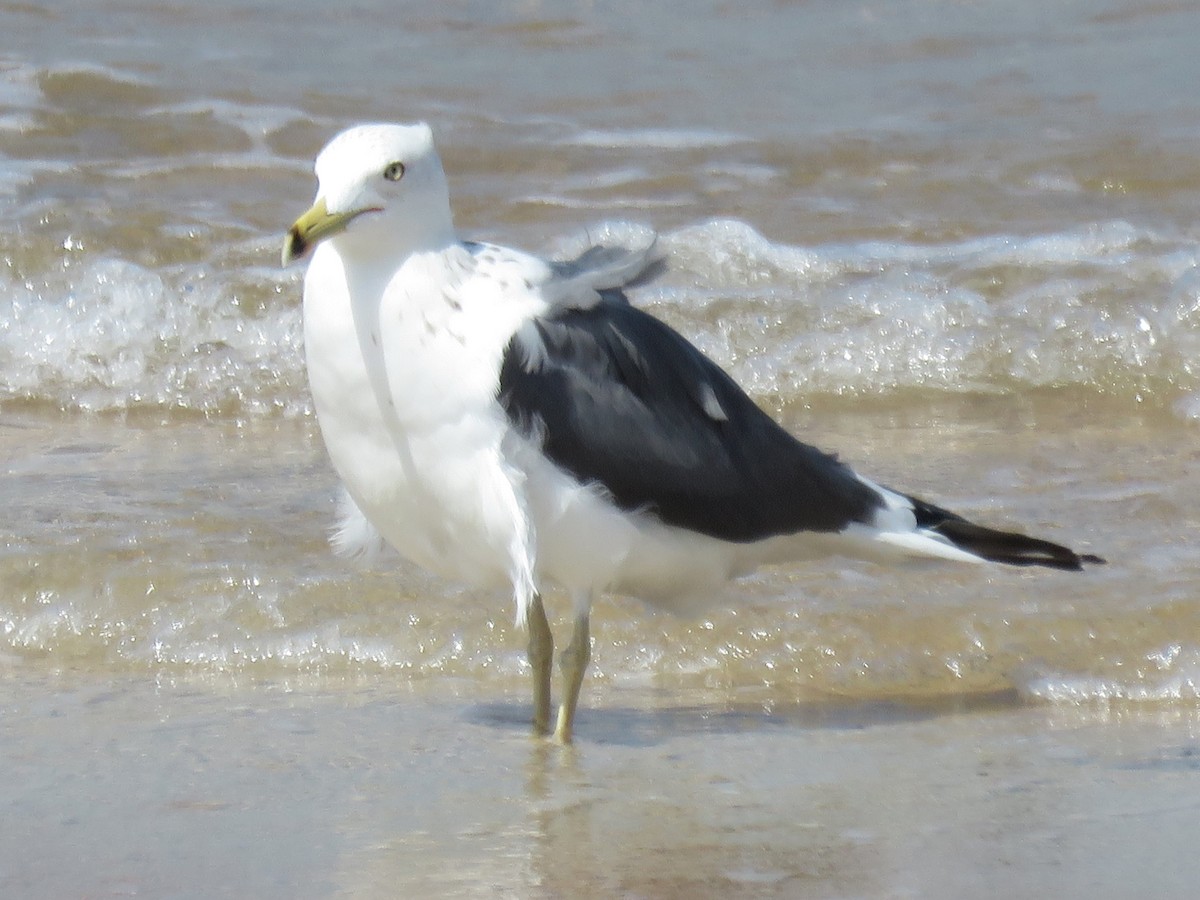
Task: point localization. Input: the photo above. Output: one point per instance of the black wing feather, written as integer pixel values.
(621, 399)
(998, 546)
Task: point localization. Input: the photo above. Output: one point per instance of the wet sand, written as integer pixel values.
(208, 787)
(364, 733)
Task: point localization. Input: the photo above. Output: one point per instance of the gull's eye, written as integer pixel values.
(394, 171)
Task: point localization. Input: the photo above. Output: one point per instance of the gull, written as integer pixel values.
(514, 423)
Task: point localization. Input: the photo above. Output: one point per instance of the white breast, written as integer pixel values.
(404, 382)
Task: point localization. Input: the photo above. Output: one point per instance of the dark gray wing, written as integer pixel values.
(621, 399)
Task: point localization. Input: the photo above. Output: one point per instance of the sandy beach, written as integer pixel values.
(176, 787)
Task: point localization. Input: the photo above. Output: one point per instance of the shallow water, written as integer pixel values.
(201, 547)
(954, 243)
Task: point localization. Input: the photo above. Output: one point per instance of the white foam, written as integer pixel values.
(1110, 308)
(655, 138)
(106, 334)
(1080, 690)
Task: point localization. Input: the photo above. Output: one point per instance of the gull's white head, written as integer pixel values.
(381, 190)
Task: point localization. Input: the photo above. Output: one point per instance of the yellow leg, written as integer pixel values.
(574, 663)
(541, 658)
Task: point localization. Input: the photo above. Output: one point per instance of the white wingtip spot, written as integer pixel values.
(711, 405)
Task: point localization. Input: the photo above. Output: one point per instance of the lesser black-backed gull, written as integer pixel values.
(506, 421)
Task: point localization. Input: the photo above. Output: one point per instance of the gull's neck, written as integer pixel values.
(424, 227)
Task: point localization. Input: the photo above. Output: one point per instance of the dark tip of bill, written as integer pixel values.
(294, 247)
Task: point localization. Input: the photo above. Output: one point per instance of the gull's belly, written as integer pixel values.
(434, 486)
